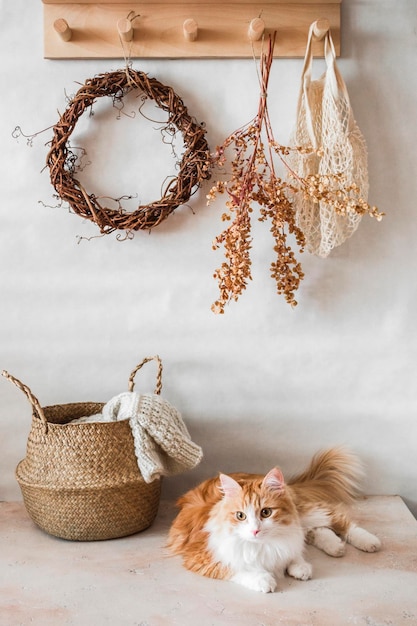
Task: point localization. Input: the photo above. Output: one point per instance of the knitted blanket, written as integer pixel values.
(163, 445)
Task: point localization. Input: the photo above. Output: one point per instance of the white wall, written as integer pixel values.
(264, 384)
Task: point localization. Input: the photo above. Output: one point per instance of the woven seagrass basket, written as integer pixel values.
(82, 481)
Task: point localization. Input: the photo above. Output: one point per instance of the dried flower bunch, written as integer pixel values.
(253, 179)
(333, 190)
(193, 168)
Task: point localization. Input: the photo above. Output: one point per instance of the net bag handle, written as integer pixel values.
(38, 411)
(158, 375)
(332, 74)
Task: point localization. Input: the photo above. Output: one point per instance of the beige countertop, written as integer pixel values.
(134, 581)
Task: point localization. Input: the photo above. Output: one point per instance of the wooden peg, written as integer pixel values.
(61, 27)
(190, 28)
(320, 28)
(125, 28)
(256, 29)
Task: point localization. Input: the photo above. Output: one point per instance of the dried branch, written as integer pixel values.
(254, 180)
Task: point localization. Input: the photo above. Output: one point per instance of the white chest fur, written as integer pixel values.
(271, 550)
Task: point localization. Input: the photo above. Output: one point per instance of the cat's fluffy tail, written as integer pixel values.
(337, 472)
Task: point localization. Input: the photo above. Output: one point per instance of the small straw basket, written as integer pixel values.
(82, 481)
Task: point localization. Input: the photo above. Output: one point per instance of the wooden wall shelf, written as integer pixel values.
(187, 29)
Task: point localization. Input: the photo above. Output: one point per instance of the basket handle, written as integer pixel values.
(28, 393)
(158, 376)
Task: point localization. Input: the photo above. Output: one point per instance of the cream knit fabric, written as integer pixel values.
(163, 445)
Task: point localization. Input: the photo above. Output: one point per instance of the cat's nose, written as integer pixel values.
(255, 532)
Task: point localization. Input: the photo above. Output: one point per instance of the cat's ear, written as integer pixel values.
(229, 486)
(274, 480)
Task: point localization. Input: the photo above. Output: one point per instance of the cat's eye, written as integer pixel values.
(240, 515)
(266, 512)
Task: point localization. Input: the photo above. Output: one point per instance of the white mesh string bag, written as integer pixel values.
(325, 120)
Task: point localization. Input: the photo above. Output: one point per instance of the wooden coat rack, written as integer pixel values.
(89, 29)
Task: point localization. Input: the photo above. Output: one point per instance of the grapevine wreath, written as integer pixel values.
(194, 166)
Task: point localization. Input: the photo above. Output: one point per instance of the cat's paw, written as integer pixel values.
(325, 539)
(257, 581)
(363, 540)
(336, 549)
(301, 570)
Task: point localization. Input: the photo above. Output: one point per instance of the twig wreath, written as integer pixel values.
(193, 168)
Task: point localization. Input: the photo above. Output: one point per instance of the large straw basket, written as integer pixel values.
(82, 481)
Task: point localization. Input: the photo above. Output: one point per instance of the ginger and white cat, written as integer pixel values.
(251, 529)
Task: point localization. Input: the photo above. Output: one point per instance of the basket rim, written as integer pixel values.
(51, 408)
(70, 405)
(48, 406)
